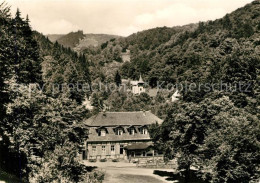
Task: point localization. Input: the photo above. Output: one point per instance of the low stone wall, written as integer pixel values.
(109, 157)
(146, 158)
(155, 162)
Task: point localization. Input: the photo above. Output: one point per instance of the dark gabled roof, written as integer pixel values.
(111, 136)
(123, 118)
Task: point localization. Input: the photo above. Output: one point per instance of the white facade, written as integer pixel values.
(137, 87)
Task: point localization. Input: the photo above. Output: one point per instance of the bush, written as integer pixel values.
(95, 177)
(115, 160)
(92, 160)
(103, 160)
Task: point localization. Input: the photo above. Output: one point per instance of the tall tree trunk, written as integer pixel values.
(187, 174)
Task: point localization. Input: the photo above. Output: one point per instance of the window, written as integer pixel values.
(94, 150)
(132, 131)
(102, 132)
(121, 149)
(103, 149)
(112, 148)
(119, 131)
(144, 131)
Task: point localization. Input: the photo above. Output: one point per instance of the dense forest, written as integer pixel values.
(41, 131)
(215, 127)
(209, 53)
(216, 130)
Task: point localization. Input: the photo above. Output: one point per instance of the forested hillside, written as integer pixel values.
(62, 66)
(215, 130)
(205, 54)
(224, 50)
(41, 131)
(215, 126)
(79, 41)
(54, 37)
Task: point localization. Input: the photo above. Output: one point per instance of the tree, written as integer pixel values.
(60, 123)
(240, 70)
(6, 72)
(227, 24)
(203, 135)
(182, 133)
(118, 79)
(116, 100)
(117, 53)
(35, 124)
(26, 59)
(231, 149)
(5, 55)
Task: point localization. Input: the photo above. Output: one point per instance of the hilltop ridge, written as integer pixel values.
(78, 40)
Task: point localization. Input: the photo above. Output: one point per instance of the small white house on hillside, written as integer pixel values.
(137, 87)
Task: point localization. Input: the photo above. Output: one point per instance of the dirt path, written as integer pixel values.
(124, 172)
(131, 175)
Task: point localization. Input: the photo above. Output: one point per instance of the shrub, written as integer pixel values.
(115, 160)
(103, 160)
(92, 160)
(95, 177)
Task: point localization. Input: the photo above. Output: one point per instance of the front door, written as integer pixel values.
(133, 154)
(84, 155)
(121, 149)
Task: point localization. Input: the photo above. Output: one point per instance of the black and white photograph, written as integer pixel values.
(129, 91)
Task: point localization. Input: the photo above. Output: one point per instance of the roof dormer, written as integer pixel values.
(102, 131)
(132, 130)
(119, 130)
(143, 129)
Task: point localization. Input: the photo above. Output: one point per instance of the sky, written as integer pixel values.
(119, 17)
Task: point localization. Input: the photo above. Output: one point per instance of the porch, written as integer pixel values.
(141, 151)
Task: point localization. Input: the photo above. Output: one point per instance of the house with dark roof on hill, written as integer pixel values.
(119, 135)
